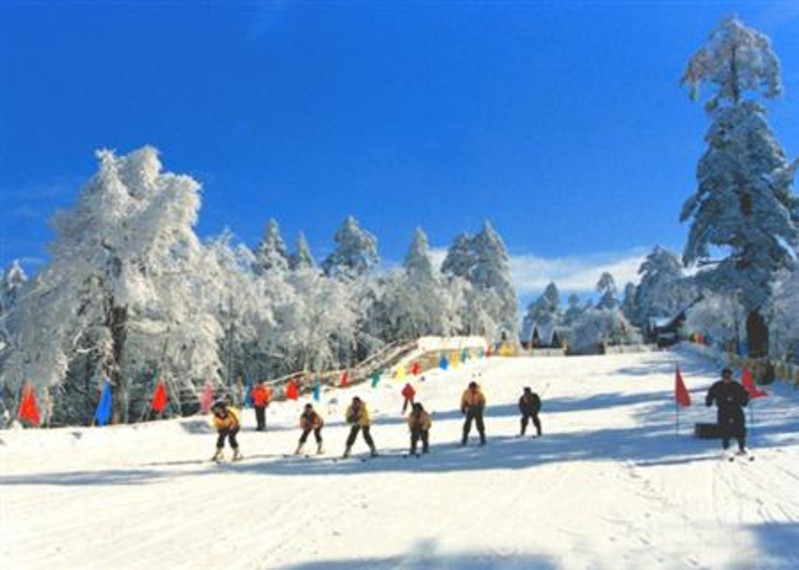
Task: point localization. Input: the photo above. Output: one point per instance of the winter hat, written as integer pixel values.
(472, 384)
(527, 389)
(726, 372)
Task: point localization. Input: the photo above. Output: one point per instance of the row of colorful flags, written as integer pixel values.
(29, 410)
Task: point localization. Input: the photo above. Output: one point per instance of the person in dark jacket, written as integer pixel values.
(529, 406)
(473, 403)
(730, 398)
(310, 421)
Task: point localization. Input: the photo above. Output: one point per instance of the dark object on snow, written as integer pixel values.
(730, 398)
(529, 406)
(707, 431)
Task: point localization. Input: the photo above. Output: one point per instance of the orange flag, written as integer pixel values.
(28, 410)
(681, 395)
(345, 379)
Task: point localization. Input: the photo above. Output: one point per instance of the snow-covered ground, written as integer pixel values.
(609, 485)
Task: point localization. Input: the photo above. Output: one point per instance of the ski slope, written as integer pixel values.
(610, 485)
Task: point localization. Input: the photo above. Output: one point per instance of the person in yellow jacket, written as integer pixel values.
(473, 402)
(227, 422)
(358, 417)
(419, 423)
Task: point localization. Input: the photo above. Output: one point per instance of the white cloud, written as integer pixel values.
(576, 273)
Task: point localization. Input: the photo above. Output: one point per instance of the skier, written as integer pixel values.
(730, 397)
(358, 417)
(529, 406)
(310, 421)
(472, 405)
(419, 424)
(227, 424)
(260, 395)
(408, 393)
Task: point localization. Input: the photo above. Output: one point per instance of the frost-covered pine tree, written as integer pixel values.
(484, 262)
(417, 265)
(118, 297)
(271, 251)
(546, 309)
(301, 258)
(11, 286)
(606, 287)
(355, 253)
(743, 209)
(663, 291)
(575, 307)
(784, 322)
(629, 307)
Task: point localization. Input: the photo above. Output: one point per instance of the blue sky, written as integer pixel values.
(561, 122)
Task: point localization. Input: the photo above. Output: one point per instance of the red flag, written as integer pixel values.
(207, 398)
(749, 385)
(292, 390)
(345, 379)
(416, 368)
(488, 351)
(27, 408)
(681, 395)
(159, 397)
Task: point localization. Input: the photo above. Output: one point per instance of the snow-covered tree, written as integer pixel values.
(356, 251)
(546, 309)
(575, 307)
(301, 258)
(271, 251)
(417, 265)
(606, 287)
(744, 210)
(716, 316)
(118, 295)
(596, 328)
(484, 262)
(664, 290)
(784, 322)
(629, 306)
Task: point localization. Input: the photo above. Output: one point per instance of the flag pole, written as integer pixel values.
(677, 420)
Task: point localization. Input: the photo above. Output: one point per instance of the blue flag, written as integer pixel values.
(317, 390)
(248, 402)
(443, 363)
(102, 415)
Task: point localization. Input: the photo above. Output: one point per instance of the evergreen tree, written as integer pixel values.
(271, 252)
(301, 258)
(629, 306)
(743, 205)
(417, 262)
(606, 287)
(546, 309)
(355, 254)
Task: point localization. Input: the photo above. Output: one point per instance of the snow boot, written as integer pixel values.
(347, 452)
(319, 449)
(219, 455)
(373, 453)
(298, 450)
(237, 456)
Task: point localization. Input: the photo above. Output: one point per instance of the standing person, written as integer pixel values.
(227, 423)
(408, 393)
(358, 417)
(529, 406)
(473, 403)
(730, 398)
(310, 421)
(260, 395)
(419, 424)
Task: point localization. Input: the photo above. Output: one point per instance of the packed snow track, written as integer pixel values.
(609, 485)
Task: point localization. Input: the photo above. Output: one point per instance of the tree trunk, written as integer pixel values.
(117, 323)
(756, 335)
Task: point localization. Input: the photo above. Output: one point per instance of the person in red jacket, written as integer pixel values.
(260, 400)
(408, 393)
